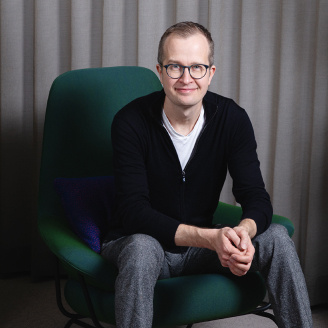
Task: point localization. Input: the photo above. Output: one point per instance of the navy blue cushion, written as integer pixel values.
(88, 204)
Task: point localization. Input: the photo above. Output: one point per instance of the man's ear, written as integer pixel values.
(212, 71)
(160, 72)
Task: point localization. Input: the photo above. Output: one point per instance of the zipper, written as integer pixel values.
(183, 219)
(182, 204)
(183, 176)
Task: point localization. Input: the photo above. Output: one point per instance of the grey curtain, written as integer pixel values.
(271, 58)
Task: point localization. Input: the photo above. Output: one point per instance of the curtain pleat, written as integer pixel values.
(271, 58)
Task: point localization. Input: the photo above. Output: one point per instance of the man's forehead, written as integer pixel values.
(172, 52)
(184, 36)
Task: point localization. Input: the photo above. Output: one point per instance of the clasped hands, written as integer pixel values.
(234, 248)
(233, 245)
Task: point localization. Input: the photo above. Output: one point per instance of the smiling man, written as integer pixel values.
(185, 86)
(172, 152)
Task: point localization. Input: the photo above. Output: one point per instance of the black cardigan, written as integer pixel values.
(154, 195)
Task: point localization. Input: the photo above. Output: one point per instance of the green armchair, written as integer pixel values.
(77, 144)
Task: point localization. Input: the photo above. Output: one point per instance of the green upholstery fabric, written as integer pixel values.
(230, 214)
(183, 300)
(77, 143)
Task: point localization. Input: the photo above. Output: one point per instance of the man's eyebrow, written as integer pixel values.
(173, 61)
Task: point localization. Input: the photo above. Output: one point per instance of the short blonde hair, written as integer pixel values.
(184, 30)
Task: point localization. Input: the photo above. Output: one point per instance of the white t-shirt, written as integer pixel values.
(184, 145)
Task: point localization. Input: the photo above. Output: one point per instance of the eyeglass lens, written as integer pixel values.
(175, 71)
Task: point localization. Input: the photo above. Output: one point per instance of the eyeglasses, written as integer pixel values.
(175, 71)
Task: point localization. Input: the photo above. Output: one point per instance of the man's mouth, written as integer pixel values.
(185, 90)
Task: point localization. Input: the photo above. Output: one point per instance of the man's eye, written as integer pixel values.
(196, 67)
(175, 67)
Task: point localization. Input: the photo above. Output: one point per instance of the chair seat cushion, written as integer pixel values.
(88, 204)
(183, 300)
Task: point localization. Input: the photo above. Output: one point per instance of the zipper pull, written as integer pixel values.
(183, 176)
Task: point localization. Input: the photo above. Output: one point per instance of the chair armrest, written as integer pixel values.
(76, 257)
(231, 214)
(227, 214)
(288, 224)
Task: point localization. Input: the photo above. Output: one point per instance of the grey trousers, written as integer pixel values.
(141, 261)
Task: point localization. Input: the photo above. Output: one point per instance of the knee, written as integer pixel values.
(278, 230)
(144, 243)
(142, 251)
(279, 237)
(274, 246)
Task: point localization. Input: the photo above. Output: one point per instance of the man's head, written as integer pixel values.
(185, 66)
(185, 30)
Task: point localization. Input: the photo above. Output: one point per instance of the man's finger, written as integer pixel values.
(237, 269)
(243, 237)
(232, 236)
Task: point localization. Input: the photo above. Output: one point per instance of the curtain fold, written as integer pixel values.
(271, 58)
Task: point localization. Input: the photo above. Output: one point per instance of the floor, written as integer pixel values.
(33, 305)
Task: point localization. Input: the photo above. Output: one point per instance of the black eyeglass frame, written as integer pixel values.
(189, 67)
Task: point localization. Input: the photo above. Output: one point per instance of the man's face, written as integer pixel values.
(185, 92)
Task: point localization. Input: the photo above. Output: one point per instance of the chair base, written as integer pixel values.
(260, 311)
(77, 322)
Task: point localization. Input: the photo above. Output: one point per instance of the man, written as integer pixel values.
(172, 150)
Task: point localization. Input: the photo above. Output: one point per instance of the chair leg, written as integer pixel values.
(60, 305)
(77, 322)
(260, 311)
(89, 303)
(74, 317)
(69, 323)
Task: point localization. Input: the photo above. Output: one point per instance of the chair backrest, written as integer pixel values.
(80, 110)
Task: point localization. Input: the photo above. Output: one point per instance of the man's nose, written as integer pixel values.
(186, 77)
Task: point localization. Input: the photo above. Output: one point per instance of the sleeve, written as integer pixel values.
(244, 167)
(134, 211)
